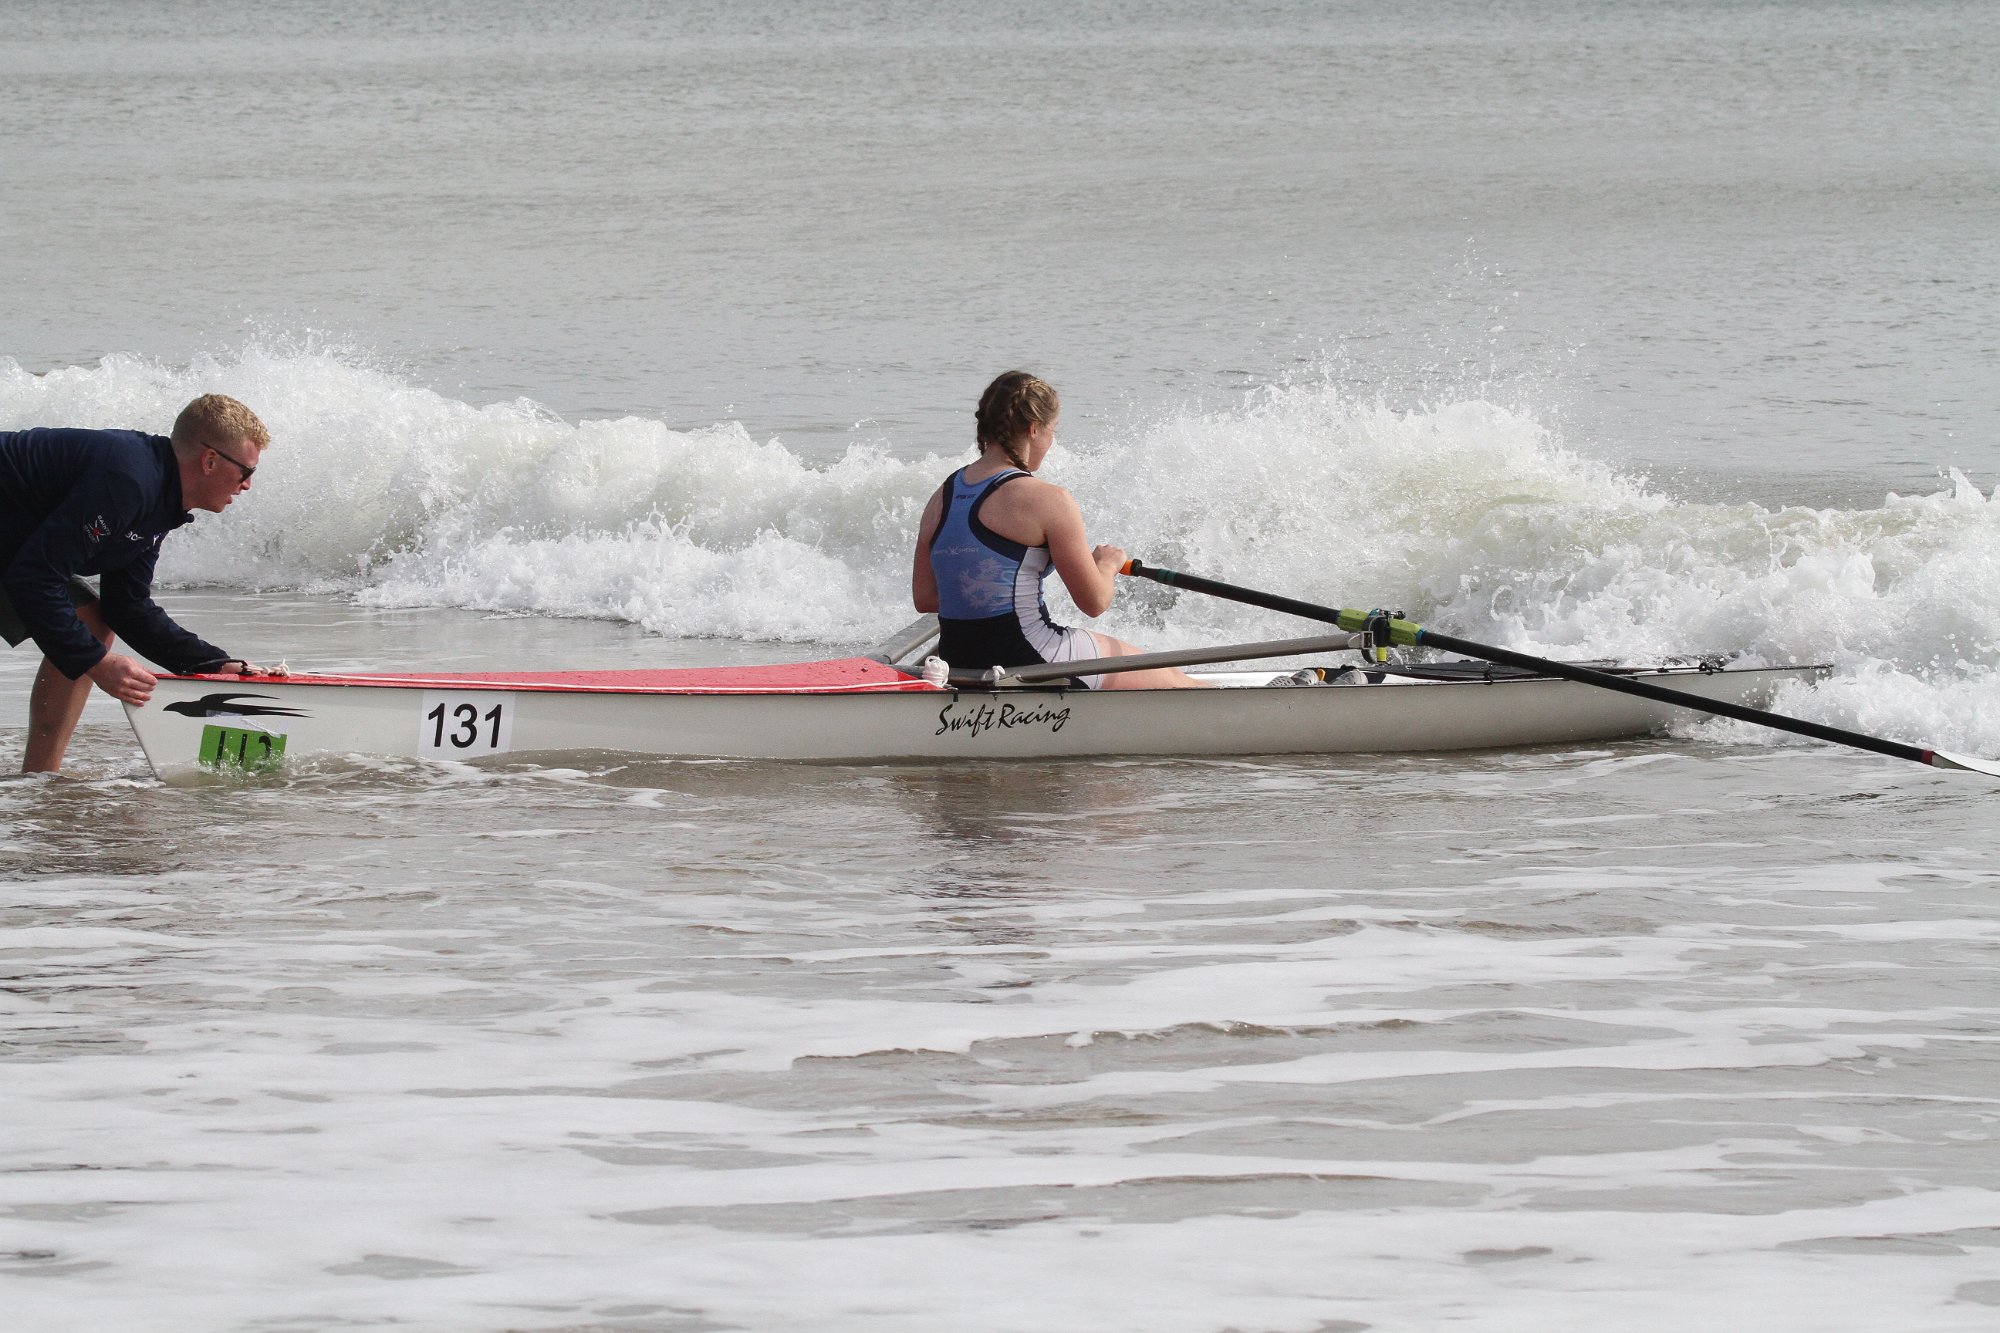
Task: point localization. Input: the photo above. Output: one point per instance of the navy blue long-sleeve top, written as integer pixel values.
(92, 502)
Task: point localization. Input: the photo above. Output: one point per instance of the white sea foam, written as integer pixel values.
(1468, 515)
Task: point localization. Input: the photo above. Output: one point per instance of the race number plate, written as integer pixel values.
(465, 724)
(239, 747)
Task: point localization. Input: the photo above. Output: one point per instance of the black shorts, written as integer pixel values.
(999, 641)
(16, 633)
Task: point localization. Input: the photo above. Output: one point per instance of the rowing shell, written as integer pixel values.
(865, 710)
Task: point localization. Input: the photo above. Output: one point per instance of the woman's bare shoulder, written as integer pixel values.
(1030, 487)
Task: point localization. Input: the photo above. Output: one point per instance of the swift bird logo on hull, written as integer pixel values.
(225, 705)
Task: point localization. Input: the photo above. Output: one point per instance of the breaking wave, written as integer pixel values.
(1471, 515)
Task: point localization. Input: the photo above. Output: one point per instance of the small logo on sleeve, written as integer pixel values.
(97, 530)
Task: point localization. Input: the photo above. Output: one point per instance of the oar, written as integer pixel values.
(1412, 635)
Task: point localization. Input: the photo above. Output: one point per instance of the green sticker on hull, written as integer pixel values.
(240, 747)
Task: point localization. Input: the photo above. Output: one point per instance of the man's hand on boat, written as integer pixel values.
(122, 678)
(236, 666)
(128, 682)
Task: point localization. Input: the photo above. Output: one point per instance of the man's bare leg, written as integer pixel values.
(56, 702)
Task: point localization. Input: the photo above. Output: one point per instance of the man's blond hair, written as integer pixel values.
(217, 420)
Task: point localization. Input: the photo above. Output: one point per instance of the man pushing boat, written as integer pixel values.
(76, 502)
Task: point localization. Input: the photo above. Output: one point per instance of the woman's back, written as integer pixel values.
(992, 533)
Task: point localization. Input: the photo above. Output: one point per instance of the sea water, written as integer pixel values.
(599, 337)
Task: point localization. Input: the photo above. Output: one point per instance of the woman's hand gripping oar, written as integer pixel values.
(1409, 635)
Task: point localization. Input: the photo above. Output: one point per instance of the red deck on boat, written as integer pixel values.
(841, 676)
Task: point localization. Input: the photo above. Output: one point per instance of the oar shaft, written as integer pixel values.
(1401, 631)
(1173, 578)
(1409, 634)
(1568, 671)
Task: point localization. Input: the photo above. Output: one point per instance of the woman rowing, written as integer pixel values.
(992, 533)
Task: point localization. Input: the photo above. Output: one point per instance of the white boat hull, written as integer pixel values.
(197, 721)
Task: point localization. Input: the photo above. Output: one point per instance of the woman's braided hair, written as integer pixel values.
(1011, 404)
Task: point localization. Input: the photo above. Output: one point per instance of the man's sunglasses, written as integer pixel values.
(245, 468)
